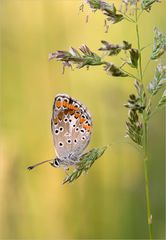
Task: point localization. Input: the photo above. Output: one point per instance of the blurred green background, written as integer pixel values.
(109, 202)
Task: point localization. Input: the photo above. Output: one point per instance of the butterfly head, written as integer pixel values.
(55, 163)
(65, 161)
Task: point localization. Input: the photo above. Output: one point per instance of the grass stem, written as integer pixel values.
(139, 48)
(149, 214)
(147, 64)
(145, 135)
(130, 74)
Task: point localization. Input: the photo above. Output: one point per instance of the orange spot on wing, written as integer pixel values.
(87, 127)
(66, 111)
(65, 104)
(82, 120)
(76, 108)
(76, 115)
(70, 106)
(60, 116)
(55, 120)
(71, 112)
(58, 104)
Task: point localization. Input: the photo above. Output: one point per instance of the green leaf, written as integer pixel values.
(134, 56)
(146, 4)
(136, 106)
(137, 103)
(114, 49)
(111, 49)
(86, 161)
(162, 101)
(108, 9)
(89, 58)
(114, 71)
(126, 45)
(159, 45)
(73, 57)
(134, 128)
(159, 79)
(94, 4)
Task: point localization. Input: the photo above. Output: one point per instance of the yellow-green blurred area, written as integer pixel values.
(109, 202)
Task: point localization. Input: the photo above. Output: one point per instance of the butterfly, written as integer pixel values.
(71, 126)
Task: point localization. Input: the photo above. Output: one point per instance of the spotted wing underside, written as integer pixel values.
(71, 127)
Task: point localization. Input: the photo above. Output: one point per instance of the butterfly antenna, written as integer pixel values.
(37, 164)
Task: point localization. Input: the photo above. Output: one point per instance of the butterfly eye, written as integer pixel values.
(56, 163)
(61, 144)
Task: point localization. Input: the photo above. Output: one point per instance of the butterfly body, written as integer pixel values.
(71, 126)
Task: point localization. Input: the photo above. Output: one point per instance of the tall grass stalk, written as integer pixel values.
(145, 136)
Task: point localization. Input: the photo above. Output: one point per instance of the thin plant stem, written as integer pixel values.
(149, 104)
(139, 15)
(143, 48)
(127, 17)
(149, 215)
(130, 74)
(156, 109)
(147, 64)
(139, 148)
(139, 46)
(145, 138)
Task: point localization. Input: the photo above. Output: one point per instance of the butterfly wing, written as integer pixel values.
(71, 127)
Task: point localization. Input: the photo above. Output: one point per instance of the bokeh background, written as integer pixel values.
(109, 202)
